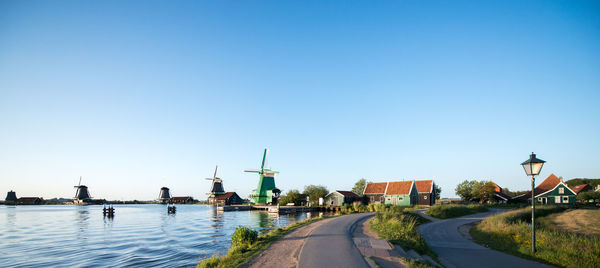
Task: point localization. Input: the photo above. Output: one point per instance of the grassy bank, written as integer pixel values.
(453, 211)
(400, 227)
(245, 247)
(510, 232)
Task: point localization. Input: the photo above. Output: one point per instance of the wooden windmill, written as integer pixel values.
(266, 192)
(81, 194)
(217, 187)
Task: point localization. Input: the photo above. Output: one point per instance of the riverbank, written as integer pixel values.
(257, 252)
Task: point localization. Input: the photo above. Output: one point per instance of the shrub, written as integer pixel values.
(379, 207)
(400, 228)
(211, 262)
(243, 237)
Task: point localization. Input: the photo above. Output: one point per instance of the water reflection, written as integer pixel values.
(72, 236)
(82, 215)
(11, 216)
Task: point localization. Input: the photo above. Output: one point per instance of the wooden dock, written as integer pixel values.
(279, 209)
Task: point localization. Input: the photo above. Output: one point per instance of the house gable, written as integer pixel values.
(555, 191)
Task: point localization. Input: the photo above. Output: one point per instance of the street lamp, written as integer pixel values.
(532, 167)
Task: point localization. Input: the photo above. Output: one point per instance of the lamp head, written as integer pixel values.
(533, 165)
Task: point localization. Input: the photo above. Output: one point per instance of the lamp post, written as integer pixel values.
(532, 167)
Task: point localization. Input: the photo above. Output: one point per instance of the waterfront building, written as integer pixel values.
(30, 201)
(340, 198)
(228, 198)
(181, 199)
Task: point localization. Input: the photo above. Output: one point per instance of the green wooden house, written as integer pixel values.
(340, 198)
(401, 193)
(553, 191)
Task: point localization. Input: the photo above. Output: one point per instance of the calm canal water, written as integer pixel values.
(138, 235)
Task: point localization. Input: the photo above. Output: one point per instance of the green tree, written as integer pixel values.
(487, 192)
(476, 190)
(292, 196)
(438, 191)
(577, 181)
(359, 186)
(314, 192)
(589, 195)
(465, 190)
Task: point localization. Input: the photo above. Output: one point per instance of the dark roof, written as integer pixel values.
(425, 186)
(347, 193)
(375, 188)
(181, 198)
(28, 199)
(503, 195)
(224, 196)
(581, 187)
(399, 188)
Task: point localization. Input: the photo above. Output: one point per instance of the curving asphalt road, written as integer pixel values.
(331, 245)
(454, 250)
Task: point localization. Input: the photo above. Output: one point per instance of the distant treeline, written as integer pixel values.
(578, 181)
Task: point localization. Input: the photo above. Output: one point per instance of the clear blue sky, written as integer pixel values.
(135, 95)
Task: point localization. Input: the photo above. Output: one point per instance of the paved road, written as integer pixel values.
(454, 250)
(331, 245)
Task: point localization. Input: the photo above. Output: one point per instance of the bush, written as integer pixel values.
(211, 262)
(452, 211)
(379, 207)
(243, 237)
(400, 228)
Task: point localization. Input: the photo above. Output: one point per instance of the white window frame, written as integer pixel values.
(425, 197)
(565, 199)
(561, 190)
(557, 199)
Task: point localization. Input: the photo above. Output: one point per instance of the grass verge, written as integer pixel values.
(409, 263)
(578, 221)
(453, 211)
(400, 227)
(242, 254)
(510, 232)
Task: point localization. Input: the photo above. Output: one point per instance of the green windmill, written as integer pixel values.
(266, 192)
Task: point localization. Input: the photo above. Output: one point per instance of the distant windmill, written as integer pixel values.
(266, 192)
(164, 195)
(217, 184)
(82, 193)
